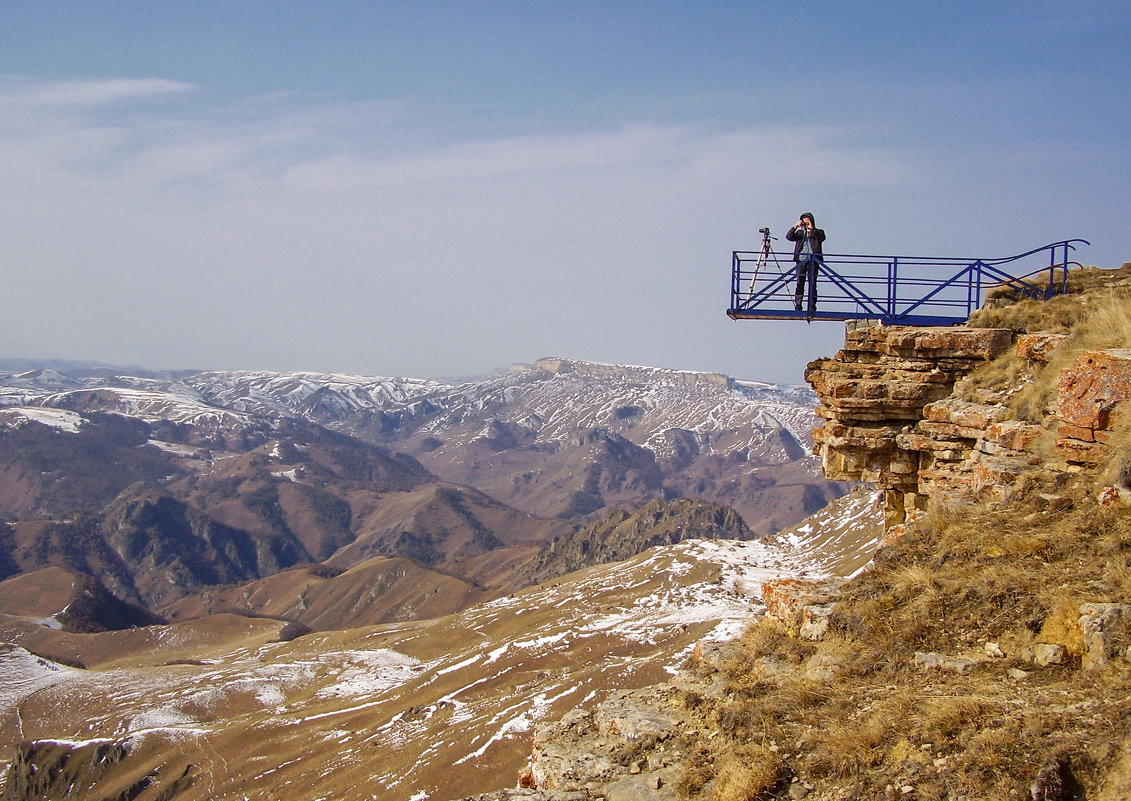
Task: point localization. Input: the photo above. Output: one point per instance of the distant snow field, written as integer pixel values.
(59, 419)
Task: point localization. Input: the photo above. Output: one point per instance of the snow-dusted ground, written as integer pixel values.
(403, 705)
(59, 419)
(842, 536)
(24, 673)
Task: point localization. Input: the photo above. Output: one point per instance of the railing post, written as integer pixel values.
(893, 282)
(1052, 273)
(1064, 272)
(734, 279)
(972, 302)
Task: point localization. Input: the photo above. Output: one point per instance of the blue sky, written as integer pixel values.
(444, 188)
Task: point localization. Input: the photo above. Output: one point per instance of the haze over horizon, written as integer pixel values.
(397, 188)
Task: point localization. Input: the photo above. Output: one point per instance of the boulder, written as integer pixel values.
(815, 620)
(1106, 628)
(1015, 435)
(825, 667)
(791, 602)
(655, 786)
(950, 664)
(976, 416)
(1046, 654)
(561, 758)
(1088, 392)
(1038, 347)
(949, 342)
(624, 717)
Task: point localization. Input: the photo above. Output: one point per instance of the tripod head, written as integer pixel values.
(765, 232)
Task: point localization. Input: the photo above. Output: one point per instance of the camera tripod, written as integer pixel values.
(763, 257)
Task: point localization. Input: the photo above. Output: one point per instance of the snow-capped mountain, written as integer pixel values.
(559, 438)
(325, 397)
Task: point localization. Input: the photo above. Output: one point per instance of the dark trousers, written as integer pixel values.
(807, 270)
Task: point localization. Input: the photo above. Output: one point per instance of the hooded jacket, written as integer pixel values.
(797, 236)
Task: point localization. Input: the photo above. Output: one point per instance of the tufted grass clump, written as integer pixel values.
(750, 773)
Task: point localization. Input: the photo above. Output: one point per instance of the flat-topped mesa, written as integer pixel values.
(876, 389)
(557, 364)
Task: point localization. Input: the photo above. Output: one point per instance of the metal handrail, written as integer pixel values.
(896, 290)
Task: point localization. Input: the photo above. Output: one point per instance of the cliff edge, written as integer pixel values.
(984, 654)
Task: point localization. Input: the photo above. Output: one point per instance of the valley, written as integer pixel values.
(231, 585)
(247, 492)
(435, 708)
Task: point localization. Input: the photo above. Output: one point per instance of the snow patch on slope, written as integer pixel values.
(59, 419)
(25, 673)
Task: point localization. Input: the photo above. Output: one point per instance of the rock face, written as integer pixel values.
(891, 417)
(1106, 628)
(876, 391)
(627, 749)
(801, 606)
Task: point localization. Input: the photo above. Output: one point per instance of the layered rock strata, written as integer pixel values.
(891, 417)
(875, 390)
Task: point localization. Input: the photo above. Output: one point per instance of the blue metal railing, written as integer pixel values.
(896, 290)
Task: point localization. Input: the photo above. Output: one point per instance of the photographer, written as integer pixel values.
(807, 251)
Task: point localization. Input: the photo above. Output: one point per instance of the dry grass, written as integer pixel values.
(849, 750)
(1117, 471)
(1099, 322)
(1005, 309)
(1108, 323)
(943, 719)
(1095, 314)
(697, 774)
(750, 773)
(962, 577)
(756, 655)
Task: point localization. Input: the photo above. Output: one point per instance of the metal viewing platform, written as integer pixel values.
(895, 290)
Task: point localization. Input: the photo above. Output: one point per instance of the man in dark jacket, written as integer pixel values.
(807, 251)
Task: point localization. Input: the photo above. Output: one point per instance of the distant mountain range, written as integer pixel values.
(168, 488)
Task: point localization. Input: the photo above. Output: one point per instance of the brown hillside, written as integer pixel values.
(148, 646)
(380, 590)
(986, 653)
(444, 527)
(40, 594)
(72, 601)
(622, 535)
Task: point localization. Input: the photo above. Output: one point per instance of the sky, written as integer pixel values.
(442, 189)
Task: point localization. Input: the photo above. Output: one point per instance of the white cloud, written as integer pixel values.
(88, 93)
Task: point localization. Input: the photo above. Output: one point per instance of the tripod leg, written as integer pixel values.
(758, 265)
